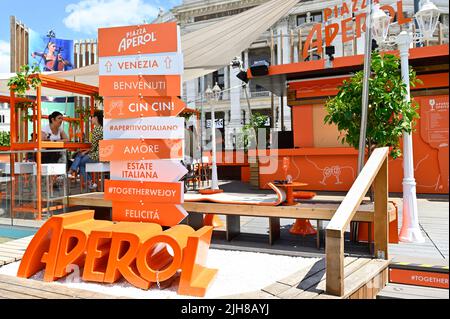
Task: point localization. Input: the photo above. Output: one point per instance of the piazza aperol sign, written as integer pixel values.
(335, 23)
(108, 251)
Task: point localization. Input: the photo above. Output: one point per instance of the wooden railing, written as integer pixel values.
(375, 173)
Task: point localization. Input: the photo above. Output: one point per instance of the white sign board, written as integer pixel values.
(144, 128)
(148, 171)
(146, 64)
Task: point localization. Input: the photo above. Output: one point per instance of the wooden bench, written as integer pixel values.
(314, 210)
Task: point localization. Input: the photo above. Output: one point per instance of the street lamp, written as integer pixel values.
(427, 19)
(213, 95)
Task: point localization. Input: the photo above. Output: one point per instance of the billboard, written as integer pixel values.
(50, 53)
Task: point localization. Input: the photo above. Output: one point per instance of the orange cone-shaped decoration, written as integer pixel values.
(302, 227)
(212, 220)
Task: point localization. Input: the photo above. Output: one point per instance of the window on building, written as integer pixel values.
(315, 17)
(219, 78)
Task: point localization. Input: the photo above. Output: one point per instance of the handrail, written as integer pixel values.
(374, 172)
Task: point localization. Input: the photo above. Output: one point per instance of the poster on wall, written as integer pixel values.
(50, 53)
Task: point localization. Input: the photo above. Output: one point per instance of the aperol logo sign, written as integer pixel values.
(341, 19)
(138, 39)
(141, 253)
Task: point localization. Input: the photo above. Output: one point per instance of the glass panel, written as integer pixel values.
(26, 196)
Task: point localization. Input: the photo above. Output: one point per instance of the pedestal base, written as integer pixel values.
(302, 227)
(411, 235)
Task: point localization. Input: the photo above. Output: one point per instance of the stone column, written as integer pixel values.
(284, 58)
(226, 93)
(235, 107)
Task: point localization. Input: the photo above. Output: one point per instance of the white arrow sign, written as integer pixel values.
(146, 64)
(148, 171)
(144, 128)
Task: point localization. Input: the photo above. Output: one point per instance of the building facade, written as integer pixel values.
(279, 45)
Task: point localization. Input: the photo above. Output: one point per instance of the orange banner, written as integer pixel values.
(137, 85)
(131, 107)
(419, 278)
(155, 192)
(138, 39)
(124, 150)
(162, 214)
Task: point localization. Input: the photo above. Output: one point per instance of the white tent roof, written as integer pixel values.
(205, 50)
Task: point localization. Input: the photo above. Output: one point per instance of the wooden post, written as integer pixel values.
(381, 217)
(39, 154)
(334, 263)
(12, 43)
(300, 46)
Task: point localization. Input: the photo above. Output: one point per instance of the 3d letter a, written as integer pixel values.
(317, 29)
(43, 249)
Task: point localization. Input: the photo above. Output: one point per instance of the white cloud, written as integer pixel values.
(4, 56)
(88, 15)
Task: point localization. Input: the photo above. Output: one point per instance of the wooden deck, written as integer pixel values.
(364, 278)
(20, 288)
(13, 250)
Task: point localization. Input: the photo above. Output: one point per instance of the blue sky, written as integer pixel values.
(74, 19)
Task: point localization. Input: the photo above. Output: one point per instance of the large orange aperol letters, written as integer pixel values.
(108, 251)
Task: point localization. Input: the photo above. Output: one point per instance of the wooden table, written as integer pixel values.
(301, 226)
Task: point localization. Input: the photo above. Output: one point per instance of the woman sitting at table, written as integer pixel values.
(54, 132)
(91, 155)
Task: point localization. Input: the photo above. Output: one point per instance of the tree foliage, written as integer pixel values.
(389, 114)
(23, 80)
(250, 131)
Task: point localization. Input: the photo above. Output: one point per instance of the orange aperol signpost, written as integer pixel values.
(142, 102)
(145, 198)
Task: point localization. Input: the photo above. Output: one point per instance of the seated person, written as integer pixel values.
(91, 155)
(55, 133)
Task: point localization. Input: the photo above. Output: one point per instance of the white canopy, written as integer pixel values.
(205, 50)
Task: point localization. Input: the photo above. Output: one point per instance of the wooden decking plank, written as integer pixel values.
(11, 250)
(6, 294)
(348, 270)
(6, 260)
(302, 274)
(350, 266)
(33, 292)
(16, 256)
(309, 282)
(52, 287)
(276, 288)
(399, 291)
(360, 277)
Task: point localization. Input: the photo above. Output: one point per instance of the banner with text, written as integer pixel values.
(148, 171)
(131, 107)
(145, 127)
